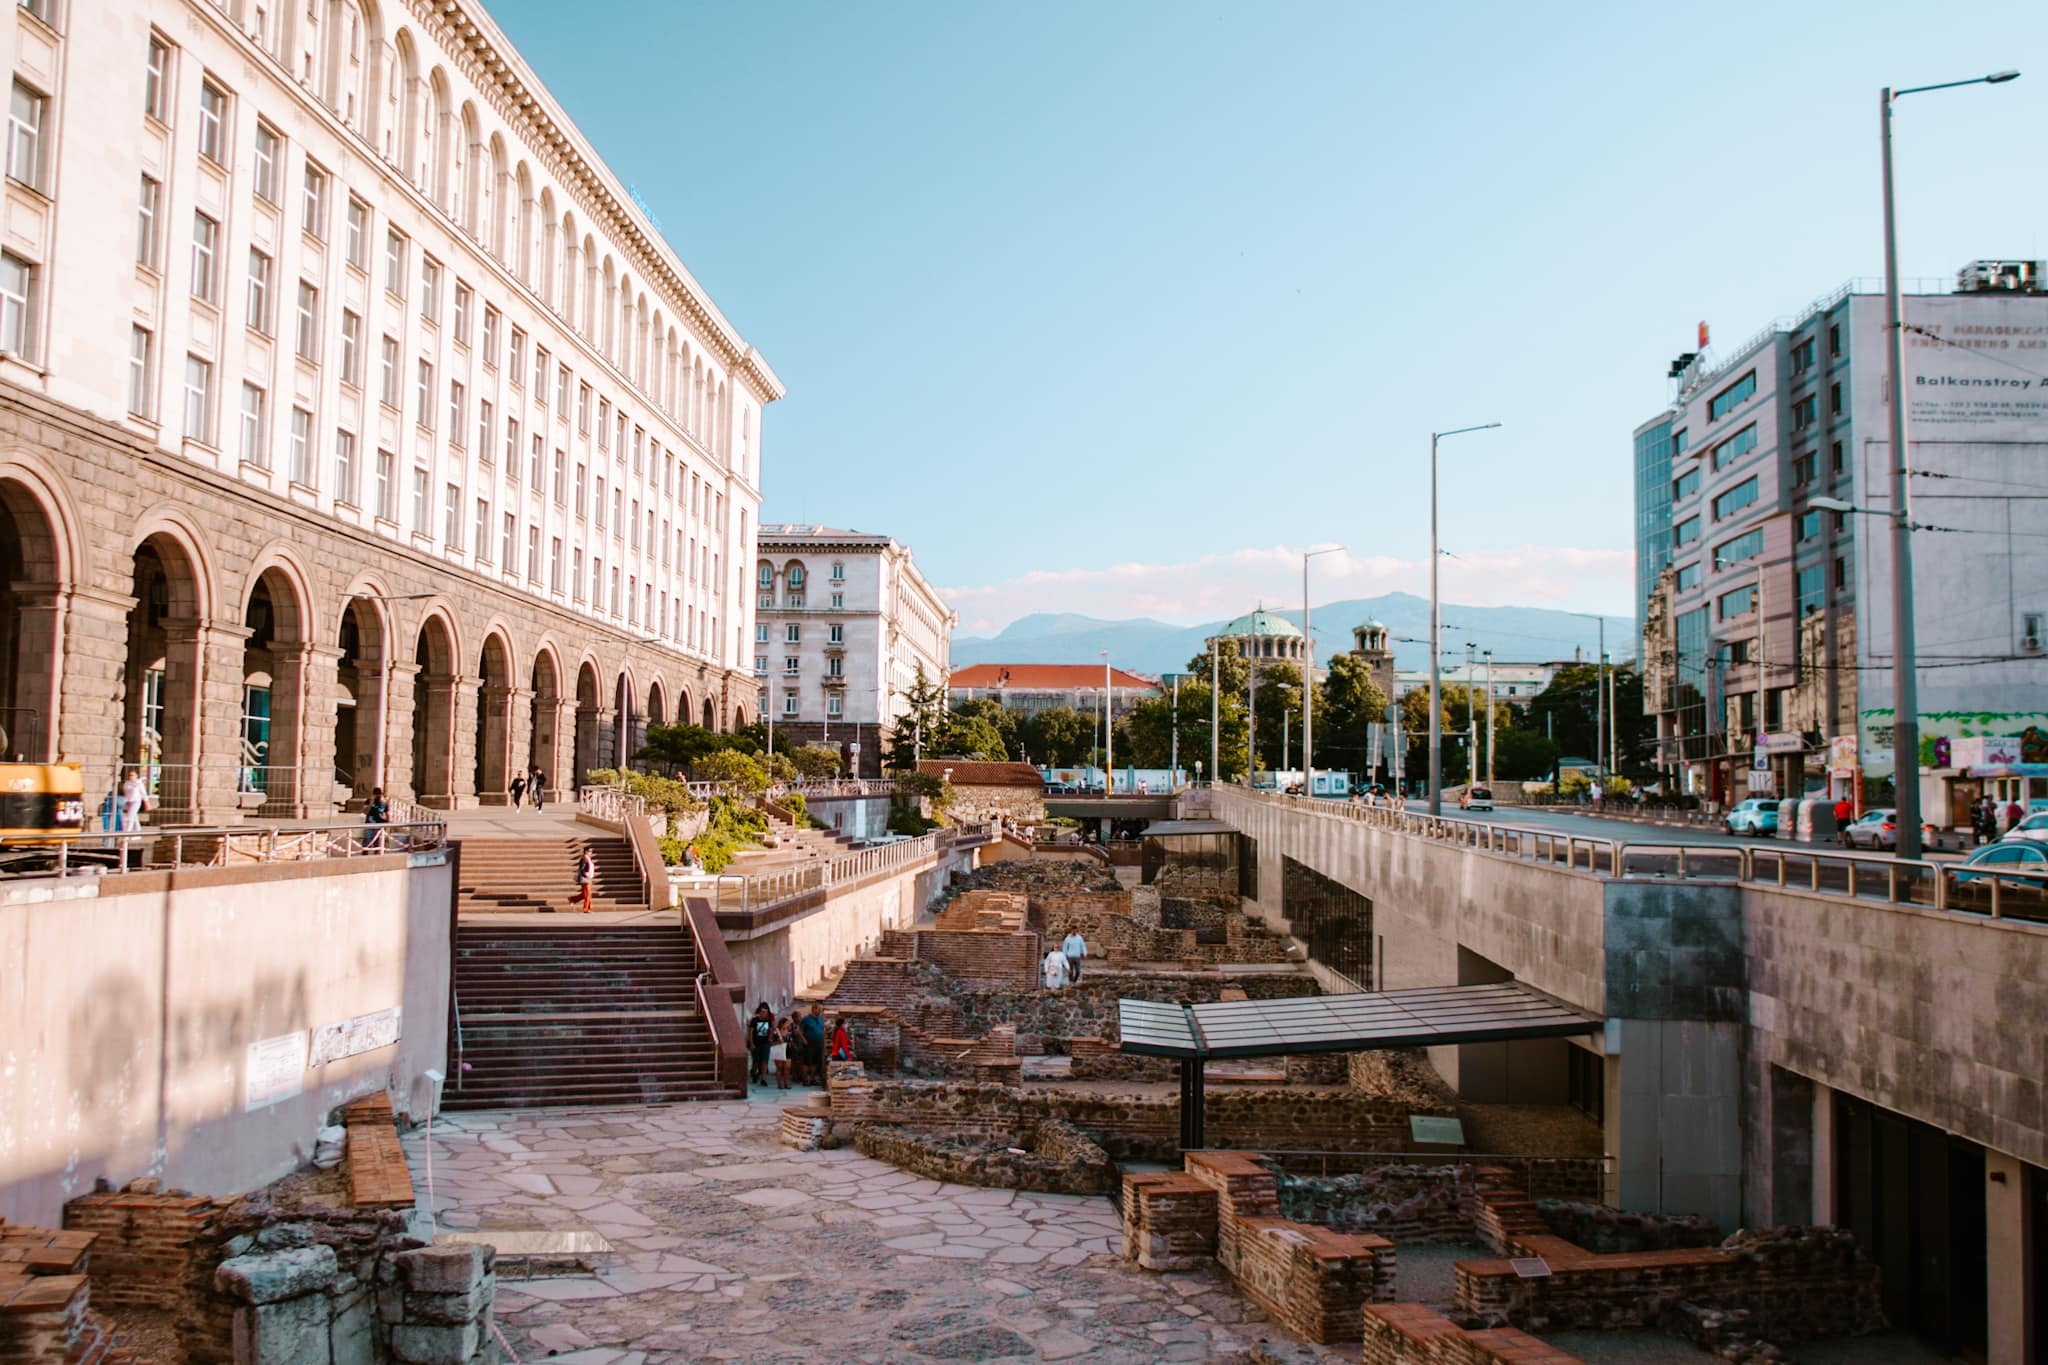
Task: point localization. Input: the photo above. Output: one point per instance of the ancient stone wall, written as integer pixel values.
(1054, 1158)
(1416, 1334)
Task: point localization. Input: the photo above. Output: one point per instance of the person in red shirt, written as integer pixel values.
(842, 1042)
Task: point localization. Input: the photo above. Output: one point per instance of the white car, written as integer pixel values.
(2033, 828)
(1477, 798)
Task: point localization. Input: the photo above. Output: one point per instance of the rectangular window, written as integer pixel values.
(604, 424)
(582, 489)
(555, 564)
(1688, 576)
(635, 528)
(1683, 487)
(302, 448)
(313, 203)
(835, 666)
(791, 665)
(515, 364)
(1732, 397)
(451, 517)
(576, 574)
(832, 705)
(253, 445)
(601, 499)
(1802, 356)
(205, 247)
(141, 355)
(1835, 458)
(345, 468)
(198, 399)
(1735, 447)
(483, 430)
(1740, 602)
(307, 343)
(836, 633)
(1834, 400)
(387, 486)
(1835, 340)
(1746, 546)
(760, 632)
(25, 136)
(430, 291)
(615, 592)
(1735, 499)
(838, 600)
(480, 531)
(583, 409)
(1812, 589)
(619, 509)
(793, 633)
(148, 233)
(1809, 526)
(561, 481)
(394, 262)
(533, 554)
(1686, 532)
(1841, 574)
(1805, 411)
(156, 80)
(838, 573)
(1803, 468)
(536, 454)
(423, 396)
(269, 147)
(462, 303)
(17, 306)
(508, 539)
(213, 116)
(389, 383)
(419, 502)
(356, 235)
(351, 349)
(562, 392)
(512, 449)
(1681, 441)
(457, 407)
(789, 703)
(540, 375)
(258, 313)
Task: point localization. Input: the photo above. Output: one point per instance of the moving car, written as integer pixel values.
(1876, 829)
(2031, 828)
(1476, 798)
(2023, 856)
(1754, 816)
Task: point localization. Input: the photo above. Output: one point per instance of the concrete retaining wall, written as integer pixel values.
(129, 1010)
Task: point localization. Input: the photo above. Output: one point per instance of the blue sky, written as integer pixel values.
(1114, 308)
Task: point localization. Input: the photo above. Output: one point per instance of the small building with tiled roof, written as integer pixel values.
(1032, 688)
(1015, 791)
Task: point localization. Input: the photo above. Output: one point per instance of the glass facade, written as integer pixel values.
(1689, 688)
(1653, 507)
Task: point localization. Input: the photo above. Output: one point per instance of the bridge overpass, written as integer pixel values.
(1793, 1035)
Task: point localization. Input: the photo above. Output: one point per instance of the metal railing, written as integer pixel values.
(92, 854)
(758, 891)
(175, 791)
(613, 805)
(1928, 883)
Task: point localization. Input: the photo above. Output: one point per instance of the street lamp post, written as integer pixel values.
(1489, 718)
(1905, 659)
(1471, 722)
(1108, 732)
(1308, 678)
(1436, 629)
(1215, 708)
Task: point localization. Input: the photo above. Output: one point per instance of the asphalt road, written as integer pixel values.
(1585, 824)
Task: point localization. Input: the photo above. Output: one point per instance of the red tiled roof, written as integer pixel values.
(974, 773)
(1046, 677)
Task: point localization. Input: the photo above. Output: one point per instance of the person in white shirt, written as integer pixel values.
(1074, 948)
(132, 797)
(1055, 969)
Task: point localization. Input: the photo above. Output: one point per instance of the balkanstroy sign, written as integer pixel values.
(1973, 366)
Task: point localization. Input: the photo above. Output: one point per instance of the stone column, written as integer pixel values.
(495, 757)
(518, 732)
(462, 749)
(604, 754)
(396, 779)
(445, 747)
(301, 755)
(216, 782)
(550, 746)
(77, 649)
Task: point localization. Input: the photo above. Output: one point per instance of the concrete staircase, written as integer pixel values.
(569, 1012)
(538, 874)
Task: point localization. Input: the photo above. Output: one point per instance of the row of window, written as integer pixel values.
(834, 707)
(794, 577)
(835, 667)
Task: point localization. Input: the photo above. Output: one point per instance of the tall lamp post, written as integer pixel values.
(1905, 655)
(1436, 630)
(1108, 732)
(1308, 678)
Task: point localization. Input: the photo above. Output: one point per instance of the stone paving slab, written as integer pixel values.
(727, 1247)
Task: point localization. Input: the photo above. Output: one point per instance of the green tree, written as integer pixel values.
(998, 717)
(744, 773)
(1058, 737)
(681, 746)
(815, 761)
(1279, 697)
(1415, 734)
(922, 724)
(1524, 756)
(1233, 674)
(1568, 712)
(974, 737)
(1348, 703)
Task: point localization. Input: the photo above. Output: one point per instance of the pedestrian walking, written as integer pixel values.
(1054, 969)
(1074, 948)
(376, 815)
(586, 875)
(2014, 813)
(760, 1037)
(1595, 792)
(518, 791)
(813, 1028)
(1985, 822)
(778, 1051)
(536, 780)
(842, 1042)
(132, 796)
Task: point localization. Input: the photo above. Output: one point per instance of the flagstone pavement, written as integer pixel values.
(729, 1246)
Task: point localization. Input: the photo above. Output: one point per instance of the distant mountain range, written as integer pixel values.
(1514, 634)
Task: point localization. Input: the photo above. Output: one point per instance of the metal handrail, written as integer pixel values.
(759, 891)
(96, 853)
(1860, 874)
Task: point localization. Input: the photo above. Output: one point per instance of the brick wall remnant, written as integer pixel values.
(1054, 1158)
(1169, 1220)
(1416, 1334)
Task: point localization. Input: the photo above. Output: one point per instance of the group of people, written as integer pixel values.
(1062, 965)
(797, 1046)
(530, 785)
(1989, 820)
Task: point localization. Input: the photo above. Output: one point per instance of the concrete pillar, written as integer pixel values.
(317, 759)
(86, 672)
(493, 731)
(1677, 1133)
(1823, 1155)
(604, 754)
(2016, 1323)
(518, 732)
(222, 649)
(462, 755)
(30, 715)
(396, 778)
(549, 745)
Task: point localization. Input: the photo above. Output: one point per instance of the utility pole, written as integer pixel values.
(1251, 715)
(1215, 709)
(1108, 733)
(1436, 629)
(1286, 727)
(1173, 759)
(1489, 718)
(1308, 679)
(1471, 722)
(1600, 702)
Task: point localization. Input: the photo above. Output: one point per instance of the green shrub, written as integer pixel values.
(741, 772)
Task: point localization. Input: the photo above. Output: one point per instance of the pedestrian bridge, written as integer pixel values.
(1759, 1001)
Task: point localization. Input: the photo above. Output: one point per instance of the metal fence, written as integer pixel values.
(92, 854)
(758, 891)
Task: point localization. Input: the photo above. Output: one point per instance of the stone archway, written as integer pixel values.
(544, 726)
(656, 706)
(275, 768)
(160, 722)
(626, 728)
(493, 767)
(361, 678)
(434, 727)
(710, 715)
(32, 580)
(586, 725)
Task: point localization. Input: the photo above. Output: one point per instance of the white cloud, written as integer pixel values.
(1221, 585)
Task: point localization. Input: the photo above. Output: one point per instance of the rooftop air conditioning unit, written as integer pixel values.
(2002, 277)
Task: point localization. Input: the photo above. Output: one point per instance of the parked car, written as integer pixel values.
(2031, 828)
(2023, 856)
(1754, 816)
(1476, 798)
(1876, 829)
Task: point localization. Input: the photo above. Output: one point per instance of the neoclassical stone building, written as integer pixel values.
(356, 427)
